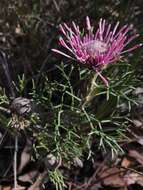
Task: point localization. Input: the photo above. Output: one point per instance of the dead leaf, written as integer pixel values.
(132, 178)
(138, 156)
(112, 177)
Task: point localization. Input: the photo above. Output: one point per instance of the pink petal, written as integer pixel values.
(60, 52)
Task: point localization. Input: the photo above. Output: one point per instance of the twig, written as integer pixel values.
(15, 162)
(133, 170)
(38, 182)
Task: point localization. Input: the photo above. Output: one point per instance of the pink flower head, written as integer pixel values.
(97, 49)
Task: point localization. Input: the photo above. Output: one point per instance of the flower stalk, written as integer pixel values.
(90, 95)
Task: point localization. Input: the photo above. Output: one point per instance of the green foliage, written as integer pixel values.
(57, 178)
(73, 126)
(67, 128)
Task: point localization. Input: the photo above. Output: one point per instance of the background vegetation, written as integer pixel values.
(67, 146)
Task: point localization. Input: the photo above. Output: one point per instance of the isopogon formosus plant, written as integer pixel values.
(102, 51)
(72, 127)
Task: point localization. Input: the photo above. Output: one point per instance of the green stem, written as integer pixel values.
(90, 96)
